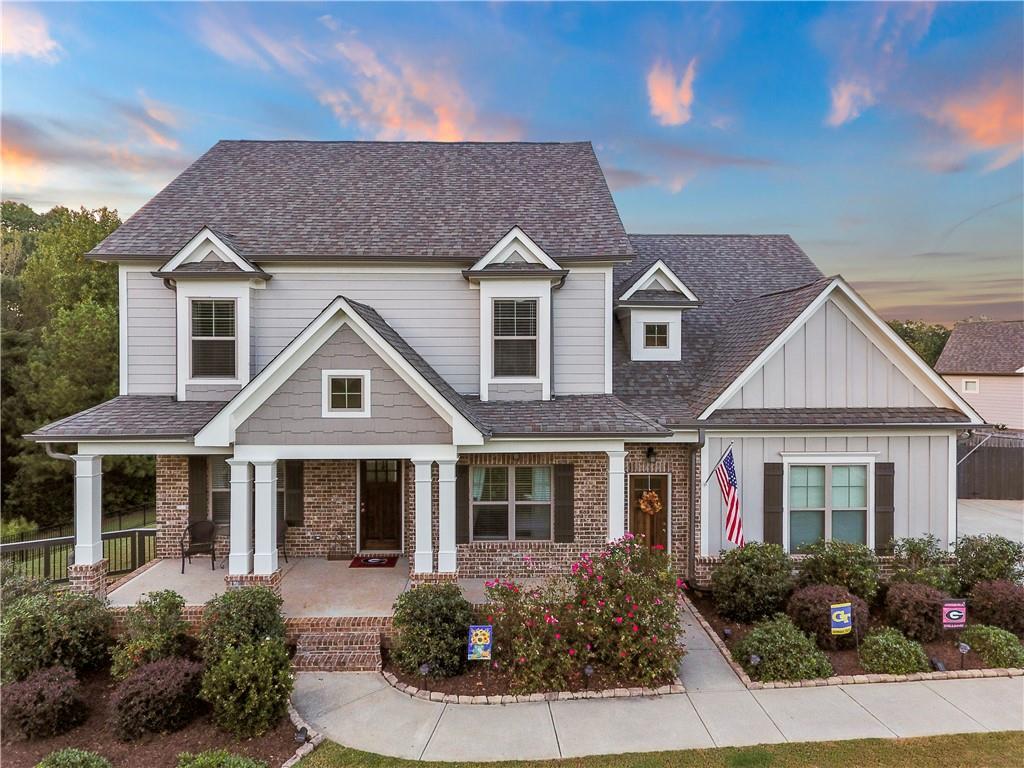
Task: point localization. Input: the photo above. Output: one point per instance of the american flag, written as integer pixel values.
(726, 474)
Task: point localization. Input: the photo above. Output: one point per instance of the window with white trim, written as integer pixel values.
(220, 490)
(511, 503)
(213, 338)
(971, 386)
(656, 335)
(346, 393)
(827, 501)
(515, 338)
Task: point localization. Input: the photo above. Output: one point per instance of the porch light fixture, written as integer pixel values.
(651, 453)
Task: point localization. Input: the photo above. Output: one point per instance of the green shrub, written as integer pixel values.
(431, 622)
(809, 608)
(160, 697)
(998, 648)
(842, 564)
(248, 687)
(889, 652)
(915, 610)
(775, 649)
(239, 617)
(50, 629)
(73, 758)
(1000, 604)
(752, 582)
(923, 561)
(46, 703)
(988, 558)
(153, 629)
(14, 584)
(217, 758)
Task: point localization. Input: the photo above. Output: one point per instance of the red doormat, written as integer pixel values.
(368, 561)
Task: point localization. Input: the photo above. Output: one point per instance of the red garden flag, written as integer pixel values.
(726, 474)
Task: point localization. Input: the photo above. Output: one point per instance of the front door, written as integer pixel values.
(380, 505)
(648, 508)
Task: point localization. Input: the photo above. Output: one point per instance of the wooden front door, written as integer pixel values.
(654, 527)
(380, 505)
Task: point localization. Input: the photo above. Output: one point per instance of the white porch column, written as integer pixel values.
(446, 562)
(88, 509)
(240, 560)
(424, 558)
(265, 558)
(616, 494)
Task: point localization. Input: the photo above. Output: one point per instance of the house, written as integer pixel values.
(984, 363)
(456, 353)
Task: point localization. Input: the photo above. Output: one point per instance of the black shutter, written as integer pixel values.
(565, 492)
(294, 501)
(198, 488)
(773, 503)
(885, 508)
(461, 504)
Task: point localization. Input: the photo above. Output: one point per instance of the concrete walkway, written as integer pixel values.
(977, 516)
(362, 711)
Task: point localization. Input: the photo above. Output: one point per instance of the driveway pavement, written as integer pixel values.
(976, 516)
(362, 711)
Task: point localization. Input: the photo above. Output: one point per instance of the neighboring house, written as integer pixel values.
(984, 363)
(455, 351)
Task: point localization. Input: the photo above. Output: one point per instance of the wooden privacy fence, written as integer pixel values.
(990, 469)
(49, 558)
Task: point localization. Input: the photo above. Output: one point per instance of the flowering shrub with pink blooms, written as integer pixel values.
(615, 612)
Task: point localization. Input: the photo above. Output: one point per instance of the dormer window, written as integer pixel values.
(656, 335)
(515, 338)
(213, 338)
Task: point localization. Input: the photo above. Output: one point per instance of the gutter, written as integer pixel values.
(695, 487)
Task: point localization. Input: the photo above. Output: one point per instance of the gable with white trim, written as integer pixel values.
(516, 247)
(207, 246)
(659, 277)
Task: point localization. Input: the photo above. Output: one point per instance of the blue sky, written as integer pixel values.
(886, 138)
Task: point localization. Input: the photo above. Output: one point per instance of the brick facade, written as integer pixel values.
(171, 504)
(329, 514)
(271, 580)
(89, 579)
(672, 459)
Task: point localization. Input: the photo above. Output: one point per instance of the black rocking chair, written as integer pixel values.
(282, 539)
(198, 539)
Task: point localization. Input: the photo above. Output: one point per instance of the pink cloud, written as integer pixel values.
(25, 34)
(849, 99)
(988, 117)
(671, 101)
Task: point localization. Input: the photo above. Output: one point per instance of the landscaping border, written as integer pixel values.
(606, 693)
(314, 737)
(754, 685)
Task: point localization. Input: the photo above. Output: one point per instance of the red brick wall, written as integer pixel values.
(329, 515)
(171, 493)
(673, 459)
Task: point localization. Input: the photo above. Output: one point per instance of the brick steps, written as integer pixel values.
(338, 640)
(337, 661)
(337, 649)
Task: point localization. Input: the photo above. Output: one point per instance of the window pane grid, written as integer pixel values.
(511, 504)
(828, 502)
(346, 393)
(515, 337)
(656, 335)
(213, 338)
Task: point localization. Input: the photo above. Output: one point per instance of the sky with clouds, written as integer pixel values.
(886, 139)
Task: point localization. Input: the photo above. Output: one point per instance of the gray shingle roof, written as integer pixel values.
(381, 200)
(769, 282)
(830, 417)
(984, 348)
(571, 414)
(133, 416)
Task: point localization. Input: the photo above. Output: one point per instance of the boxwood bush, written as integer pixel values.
(775, 649)
(73, 758)
(46, 703)
(217, 758)
(431, 622)
(841, 564)
(988, 558)
(159, 697)
(923, 561)
(809, 608)
(153, 629)
(999, 603)
(997, 647)
(239, 617)
(916, 610)
(54, 628)
(752, 582)
(889, 652)
(248, 687)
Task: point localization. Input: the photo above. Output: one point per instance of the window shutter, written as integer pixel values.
(885, 508)
(294, 501)
(198, 488)
(564, 502)
(773, 503)
(461, 504)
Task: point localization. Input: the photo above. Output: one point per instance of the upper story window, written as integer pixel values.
(346, 393)
(213, 338)
(828, 502)
(656, 335)
(515, 337)
(971, 386)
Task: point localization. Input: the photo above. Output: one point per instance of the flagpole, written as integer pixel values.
(712, 472)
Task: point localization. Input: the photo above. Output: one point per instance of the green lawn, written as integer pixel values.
(981, 750)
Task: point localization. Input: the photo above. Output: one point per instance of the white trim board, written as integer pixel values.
(202, 244)
(326, 411)
(515, 241)
(659, 273)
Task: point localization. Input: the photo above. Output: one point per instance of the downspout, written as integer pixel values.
(56, 454)
(695, 488)
(551, 341)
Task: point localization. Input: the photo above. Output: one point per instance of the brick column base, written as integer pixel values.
(89, 579)
(271, 580)
(433, 578)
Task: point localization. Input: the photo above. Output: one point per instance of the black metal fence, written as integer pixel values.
(115, 521)
(990, 466)
(49, 558)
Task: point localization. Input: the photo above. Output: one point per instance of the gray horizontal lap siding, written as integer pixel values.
(151, 331)
(514, 391)
(579, 323)
(293, 414)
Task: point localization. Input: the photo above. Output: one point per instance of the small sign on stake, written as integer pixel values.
(480, 637)
(954, 614)
(842, 618)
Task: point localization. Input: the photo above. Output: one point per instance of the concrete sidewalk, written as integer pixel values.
(361, 710)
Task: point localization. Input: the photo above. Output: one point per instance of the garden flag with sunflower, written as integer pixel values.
(480, 642)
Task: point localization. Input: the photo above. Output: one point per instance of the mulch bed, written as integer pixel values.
(844, 662)
(153, 751)
(480, 679)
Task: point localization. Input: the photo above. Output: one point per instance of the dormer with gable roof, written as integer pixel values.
(650, 310)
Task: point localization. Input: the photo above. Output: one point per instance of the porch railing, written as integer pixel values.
(49, 558)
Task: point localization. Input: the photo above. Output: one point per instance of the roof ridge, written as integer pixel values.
(709, 234)
(404, 143)
(828, 278)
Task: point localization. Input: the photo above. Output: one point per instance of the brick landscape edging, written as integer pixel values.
(607, 693)
(753, 685)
